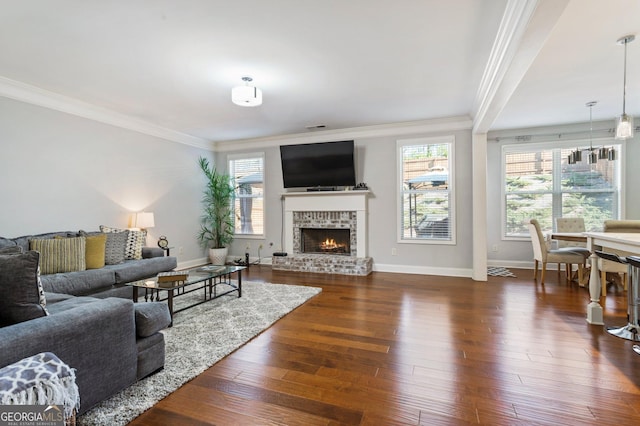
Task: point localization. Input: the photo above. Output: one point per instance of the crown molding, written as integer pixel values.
(524, 29)
(37, 96)
(381, 130)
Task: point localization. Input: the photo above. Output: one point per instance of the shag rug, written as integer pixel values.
(200, 337)
(499, 272)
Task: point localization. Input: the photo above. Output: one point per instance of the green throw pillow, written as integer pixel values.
(60, 254)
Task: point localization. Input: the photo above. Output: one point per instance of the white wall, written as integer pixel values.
(61, 172)
(376, 165)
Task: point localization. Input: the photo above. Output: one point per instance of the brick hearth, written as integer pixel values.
(324, 263)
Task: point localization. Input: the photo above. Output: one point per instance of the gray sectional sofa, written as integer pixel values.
(92, 323)
(104, 282)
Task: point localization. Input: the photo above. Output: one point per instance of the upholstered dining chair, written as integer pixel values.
(570, 224)
(607, 266)
(544, 255)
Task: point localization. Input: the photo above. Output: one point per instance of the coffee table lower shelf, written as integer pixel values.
(199, 279)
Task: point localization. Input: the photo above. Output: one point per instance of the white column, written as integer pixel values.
(479, 200)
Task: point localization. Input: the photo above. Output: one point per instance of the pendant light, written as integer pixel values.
(247, 96)
(624, 123)
(593, 155)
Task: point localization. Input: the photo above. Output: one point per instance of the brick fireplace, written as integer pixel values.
(325, 232)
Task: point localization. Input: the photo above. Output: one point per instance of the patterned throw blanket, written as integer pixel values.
(42, 379)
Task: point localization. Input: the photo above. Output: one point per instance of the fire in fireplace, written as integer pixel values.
(325, 241)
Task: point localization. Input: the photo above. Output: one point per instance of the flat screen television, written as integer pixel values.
(324, 165)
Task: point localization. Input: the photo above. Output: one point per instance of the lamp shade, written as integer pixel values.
(624, 127)
(247, 96)
(144, 220)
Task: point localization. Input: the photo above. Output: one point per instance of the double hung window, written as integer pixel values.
(425, 178)
(247, 174)
(539, 183)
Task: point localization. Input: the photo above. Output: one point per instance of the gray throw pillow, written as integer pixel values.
(11, 250)
(115, 247)
(21, 294)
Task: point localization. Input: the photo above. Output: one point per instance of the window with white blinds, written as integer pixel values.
(247, 173)
(539, 183)
(427, 201)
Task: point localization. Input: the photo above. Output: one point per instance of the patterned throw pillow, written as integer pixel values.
(135, 241)
(21, 294)
(60, 254)
(115, 247)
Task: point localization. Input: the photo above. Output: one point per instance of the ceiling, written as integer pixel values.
(341, 64)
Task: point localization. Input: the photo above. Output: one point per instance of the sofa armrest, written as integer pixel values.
(97, 338)
(149, 252)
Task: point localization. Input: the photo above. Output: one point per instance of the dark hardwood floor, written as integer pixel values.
(399, 349)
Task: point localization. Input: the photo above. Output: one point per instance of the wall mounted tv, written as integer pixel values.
(324, 165)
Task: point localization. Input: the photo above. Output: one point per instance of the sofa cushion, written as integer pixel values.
(5, 242)
(11, 250)
(115, 247)
(21, 294)
(136, 239)
(79, 283)
(151, 317)
(149, 252)
(60, 254)
(53, 298)
(95, 251)
(134, 270)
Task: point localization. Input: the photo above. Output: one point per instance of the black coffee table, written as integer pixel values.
(205, 278)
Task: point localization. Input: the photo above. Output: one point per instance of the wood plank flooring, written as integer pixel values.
(400, 349)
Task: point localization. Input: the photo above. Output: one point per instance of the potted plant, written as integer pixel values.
(217, 228)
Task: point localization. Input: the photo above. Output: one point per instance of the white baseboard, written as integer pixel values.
(422, 270)
(518, 264)
(192, 263)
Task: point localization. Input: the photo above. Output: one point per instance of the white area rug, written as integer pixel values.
(499, 272)
(200, 337)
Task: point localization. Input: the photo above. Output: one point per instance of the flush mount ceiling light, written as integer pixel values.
(247, 96)
(624, 123)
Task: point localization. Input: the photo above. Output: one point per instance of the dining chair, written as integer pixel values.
(570, 224)
(541, 254)
(610, 267)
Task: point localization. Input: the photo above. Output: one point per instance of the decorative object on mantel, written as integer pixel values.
(624, 123)
(594, 154)
(200, 337)
(361, 187)
(246, 96)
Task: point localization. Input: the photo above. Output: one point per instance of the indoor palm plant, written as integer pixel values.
(217, 228)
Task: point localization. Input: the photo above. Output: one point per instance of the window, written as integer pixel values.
(539, 183)
(425, 179)
(247, 173)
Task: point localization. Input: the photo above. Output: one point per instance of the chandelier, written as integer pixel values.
(593, 154)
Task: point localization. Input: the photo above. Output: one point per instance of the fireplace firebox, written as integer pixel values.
(325, 241)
